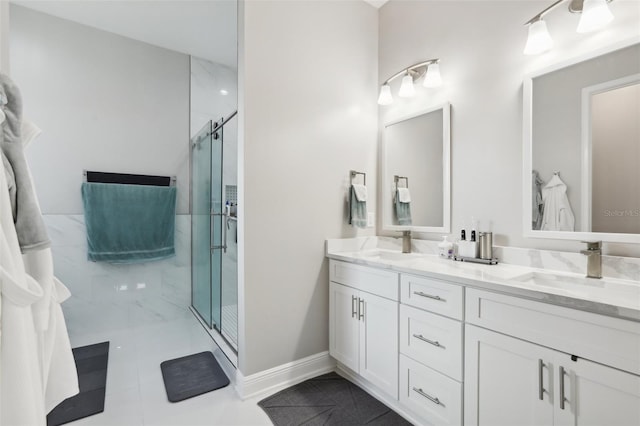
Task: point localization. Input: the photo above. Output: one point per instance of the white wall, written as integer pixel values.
(4, 37)
(480, 45)
(104, 102)
(308, 81)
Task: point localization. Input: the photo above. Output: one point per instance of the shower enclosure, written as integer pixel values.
(214, 271)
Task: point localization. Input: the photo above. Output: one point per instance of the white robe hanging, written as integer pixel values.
(557, 214)
(59, 375)
(21, 396)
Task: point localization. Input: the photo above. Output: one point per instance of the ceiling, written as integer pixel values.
(206, 29)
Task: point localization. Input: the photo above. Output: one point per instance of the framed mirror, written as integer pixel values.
(416, 176)
(581, 153)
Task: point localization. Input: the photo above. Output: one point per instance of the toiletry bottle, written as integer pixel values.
(449, 248)
(473, 229)
(445, 248)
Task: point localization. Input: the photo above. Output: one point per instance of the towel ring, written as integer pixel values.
(353, 175)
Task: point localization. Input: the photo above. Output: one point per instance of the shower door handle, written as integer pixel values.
(225, 227)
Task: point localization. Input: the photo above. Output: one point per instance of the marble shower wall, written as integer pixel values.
(114, 297)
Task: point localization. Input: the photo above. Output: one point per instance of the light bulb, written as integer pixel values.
(406, 88)
(385, 97)
(595, 14)
(539, 39)
(432, 79)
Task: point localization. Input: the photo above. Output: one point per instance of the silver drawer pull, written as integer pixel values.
(430, 296)
(429, 397)
(431, 342)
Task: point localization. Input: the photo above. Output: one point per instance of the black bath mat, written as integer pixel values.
(328, 400)
(192, 375)
(91, 363)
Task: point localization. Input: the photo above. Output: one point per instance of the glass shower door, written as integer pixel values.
(217, 216)
(206, 224)
(201, 223)
(214, 289)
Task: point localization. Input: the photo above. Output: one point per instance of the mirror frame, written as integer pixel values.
(446, 173)
(527, 160)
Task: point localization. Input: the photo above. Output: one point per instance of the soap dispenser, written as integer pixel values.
(445, 248)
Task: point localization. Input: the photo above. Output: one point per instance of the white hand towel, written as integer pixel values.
(403, 195)
(361, 192)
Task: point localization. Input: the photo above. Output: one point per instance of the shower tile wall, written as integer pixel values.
(108, 297)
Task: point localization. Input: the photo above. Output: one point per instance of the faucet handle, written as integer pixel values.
(593, 245)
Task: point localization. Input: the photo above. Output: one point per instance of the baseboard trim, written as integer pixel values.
(283, 376)
(377, 393)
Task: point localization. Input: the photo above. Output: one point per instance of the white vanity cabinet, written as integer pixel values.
(431, 349)
(512, 381)
(452, 354)
(363, 323)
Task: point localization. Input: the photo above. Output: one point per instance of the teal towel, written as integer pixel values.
(357, 210)
(129, 223)
(403, 211)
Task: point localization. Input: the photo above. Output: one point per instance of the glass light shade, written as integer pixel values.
(539, 39)
(595, 14)
(432, 79)
(406, 88)
(385, 97)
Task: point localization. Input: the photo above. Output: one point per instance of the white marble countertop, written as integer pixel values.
(608, 296)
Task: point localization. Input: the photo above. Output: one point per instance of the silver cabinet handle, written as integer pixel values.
(430, 296)
(429, 397)
(431, 342)
(354, 308)
(562, 398)
(541, 390)
(361, 309)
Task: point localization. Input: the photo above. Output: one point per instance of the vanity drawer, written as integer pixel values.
(433, 295)
(432, 340)
(430, 395)
(600, 338)
(376, 281)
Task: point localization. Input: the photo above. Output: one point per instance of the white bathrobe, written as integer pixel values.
(557, 214)
(21, 396)
(59, 376)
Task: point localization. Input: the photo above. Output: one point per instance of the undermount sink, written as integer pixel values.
(582, 285)
(391, 255)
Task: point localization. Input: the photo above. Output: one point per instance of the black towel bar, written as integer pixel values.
(129, 179)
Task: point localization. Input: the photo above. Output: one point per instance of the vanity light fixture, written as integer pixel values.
(430, 69)
(406, 88)
(595, 15)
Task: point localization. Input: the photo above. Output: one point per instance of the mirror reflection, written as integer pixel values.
(585, 146)
(415, 171)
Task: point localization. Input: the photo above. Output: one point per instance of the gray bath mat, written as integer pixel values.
(328, 400)
(192, 375)
(91, 363)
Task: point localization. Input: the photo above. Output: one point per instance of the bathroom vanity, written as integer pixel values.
(448, 343)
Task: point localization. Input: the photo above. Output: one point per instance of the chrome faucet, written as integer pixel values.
(406, 241)
(594, 258)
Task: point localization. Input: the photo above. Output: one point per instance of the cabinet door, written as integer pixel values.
(343, 325)
(507, 381)
(379, 342)
(595, 394)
